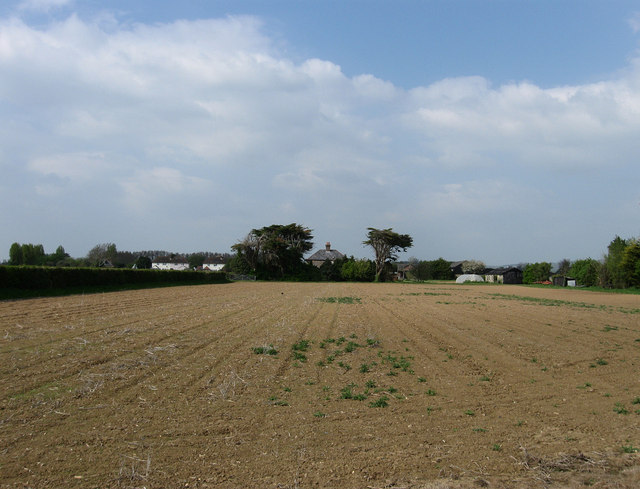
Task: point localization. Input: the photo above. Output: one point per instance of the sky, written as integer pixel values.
(506, 131)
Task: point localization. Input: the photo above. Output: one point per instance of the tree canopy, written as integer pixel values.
(274, 251)
(386, 244)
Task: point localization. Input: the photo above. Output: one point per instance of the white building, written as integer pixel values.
(170, 263)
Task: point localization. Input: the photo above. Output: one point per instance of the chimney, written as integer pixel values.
(328, 246)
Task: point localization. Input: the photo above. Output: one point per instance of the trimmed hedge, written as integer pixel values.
(43, 278)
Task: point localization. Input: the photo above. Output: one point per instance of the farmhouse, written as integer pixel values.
(170, 263)
(507, 275)
(321, 256)
(213, 264)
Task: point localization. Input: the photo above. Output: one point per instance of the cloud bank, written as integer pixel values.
(186, 135)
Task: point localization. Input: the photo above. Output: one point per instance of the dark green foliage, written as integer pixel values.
(586, 272)
(196, 260)
(439, 269)
(332, 272)
(353, 270)
(143, 263)
(30, 254)
(536, 272)
(275, 252)
(615, 275)
(60, 278)
(630, 264)
(15, 254)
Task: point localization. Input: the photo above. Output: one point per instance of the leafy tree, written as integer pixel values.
(586, 272)
(143, 262)
(100, 254)
(274, 251)
(473, 266)
(563, 267)
(615, 275)
(631, 264)
(361, 270)
(196, 260)
(536, 272)
(386, 244)
(15, 254)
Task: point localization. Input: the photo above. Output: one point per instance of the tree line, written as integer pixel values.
(101, 255)
(276, 252)
(618, 269)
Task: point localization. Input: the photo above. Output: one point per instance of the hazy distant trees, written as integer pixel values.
(102, 254)
(473, 266)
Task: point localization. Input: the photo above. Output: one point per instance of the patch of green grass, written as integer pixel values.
(364, 368)
(602, 361)
(319, 414)
(620, 409)
(607, 327)
(287, 389)
(373, 342)
(485, 378)
(347, 391)
(345, 366)
(431, 392)
(370, 384)
(496, 447)
(480, 430)
(340, 300)
(470, 412)
(301, 357)
(381, 402)
(422, 379)
(351, 347)
(629, 449)
(302, 345)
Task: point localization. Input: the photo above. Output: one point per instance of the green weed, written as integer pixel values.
(265, 350)
(381, 402)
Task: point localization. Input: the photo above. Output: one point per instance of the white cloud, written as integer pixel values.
(209, 115)
(76, 167)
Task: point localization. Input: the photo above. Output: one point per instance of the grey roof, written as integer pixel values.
(502, 270)
(324, 255)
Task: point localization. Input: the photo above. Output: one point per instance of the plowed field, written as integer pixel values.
(321, 385)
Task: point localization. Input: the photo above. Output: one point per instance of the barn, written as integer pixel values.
(507, 275)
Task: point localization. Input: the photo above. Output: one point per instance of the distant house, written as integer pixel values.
(170, 263)
(509, 275)
(403, 270)
(321, 256)
(213, 264)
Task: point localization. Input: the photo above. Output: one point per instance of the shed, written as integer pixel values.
(505, 275)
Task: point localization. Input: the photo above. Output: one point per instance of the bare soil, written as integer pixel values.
(372, 386)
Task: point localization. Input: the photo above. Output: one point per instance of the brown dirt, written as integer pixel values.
(486, 386)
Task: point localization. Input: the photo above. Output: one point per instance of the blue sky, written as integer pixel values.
(504, 131)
